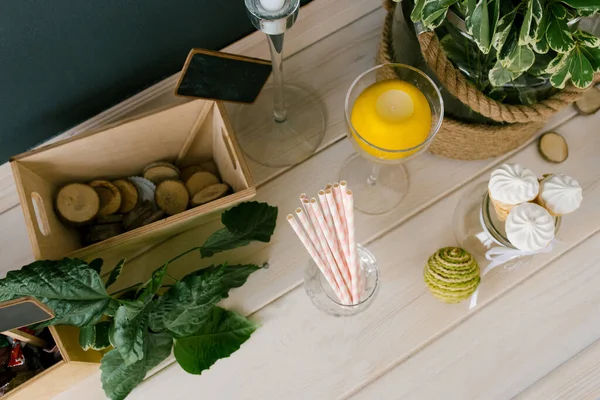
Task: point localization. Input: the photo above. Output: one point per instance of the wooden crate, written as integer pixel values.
(194, 132)
(187, 134)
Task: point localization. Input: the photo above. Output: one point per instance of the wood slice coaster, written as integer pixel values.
(187, 172)
(209, 193)
(110, 196)
(77, 203)
(553, 147)
(161, 171)
(172, 197)
(589, 102)
(129, 195)
(199, 181)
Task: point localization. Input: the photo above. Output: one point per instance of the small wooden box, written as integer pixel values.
(188, 134)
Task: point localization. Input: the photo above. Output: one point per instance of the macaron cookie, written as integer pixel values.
(560, 194)
(529, 227)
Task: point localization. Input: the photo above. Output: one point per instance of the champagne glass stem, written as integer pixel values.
(276, 47)
(375, 169)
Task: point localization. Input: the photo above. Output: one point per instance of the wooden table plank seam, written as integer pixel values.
(471, 314)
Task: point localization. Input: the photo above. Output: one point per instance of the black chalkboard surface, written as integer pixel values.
(22, 312)
(216, 75)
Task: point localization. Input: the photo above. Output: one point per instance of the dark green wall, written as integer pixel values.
(64, 61)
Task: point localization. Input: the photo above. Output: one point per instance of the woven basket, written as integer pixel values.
(464, 141)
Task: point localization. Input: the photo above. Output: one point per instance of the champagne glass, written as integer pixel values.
(398, 119)
(286, 123)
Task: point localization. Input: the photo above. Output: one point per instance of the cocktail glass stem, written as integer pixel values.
(276, 47)
(375, 170)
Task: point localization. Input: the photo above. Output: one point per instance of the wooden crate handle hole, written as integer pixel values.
(41, 217)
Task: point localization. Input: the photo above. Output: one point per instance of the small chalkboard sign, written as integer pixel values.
(21, 312)
(215, 75)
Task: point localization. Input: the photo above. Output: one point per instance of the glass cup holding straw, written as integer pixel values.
(342, 276)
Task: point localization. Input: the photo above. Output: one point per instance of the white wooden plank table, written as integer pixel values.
(534, 334)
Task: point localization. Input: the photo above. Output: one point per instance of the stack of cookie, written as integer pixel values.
(107, 208)
(528, 205)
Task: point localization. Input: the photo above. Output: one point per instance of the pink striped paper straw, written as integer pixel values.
(310, 232)
(326, 212)
(319, 229)
(339, 260)
(343, 239)
(353, 256)
(339, 202)
(313, 253)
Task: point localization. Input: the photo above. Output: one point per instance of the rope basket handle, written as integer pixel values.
(461, 88)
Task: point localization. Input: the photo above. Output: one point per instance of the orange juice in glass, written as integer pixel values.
(393, 111)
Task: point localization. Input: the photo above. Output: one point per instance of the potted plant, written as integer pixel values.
(505, 65)
(138, 327)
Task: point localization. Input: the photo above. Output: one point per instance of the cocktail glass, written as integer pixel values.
(377, 175)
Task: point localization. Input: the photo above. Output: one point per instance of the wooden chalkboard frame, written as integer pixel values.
(218, 54)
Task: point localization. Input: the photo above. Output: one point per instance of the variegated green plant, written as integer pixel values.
(538, 37)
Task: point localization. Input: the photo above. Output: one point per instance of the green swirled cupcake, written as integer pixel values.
(452, 274)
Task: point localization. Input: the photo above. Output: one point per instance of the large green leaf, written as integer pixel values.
(95, 336)
(243, 224)
(115, 273)
(132, 319)
(119, 378)
(540, 44)
(186, 305)
(500, 76)
(559, 37)
(520, 59)
(73, 290)
(220, 336)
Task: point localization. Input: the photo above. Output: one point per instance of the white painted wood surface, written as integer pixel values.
(534, 332)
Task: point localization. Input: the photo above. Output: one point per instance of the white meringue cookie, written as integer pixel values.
(512, 184)
(529, 227)
(560, 194)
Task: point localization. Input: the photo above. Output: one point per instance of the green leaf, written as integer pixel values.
(186, 305)
(500, 76)
(119, 378)
(96, 264)
(585, 4)
(593, 56)
(416, 14)
(95, 336)
(481, 26)
(559, 37)
(503, 28)
(586, 39)
(540, 44)
(132, 319)
(558, 10)
(432, 12)
(520, 59)
(582, 73)
(222, 334)
(73, 290)
(526, 25)
(559, 68)
(115, 273)
(471, 4)
(87, 336)
(243, 224)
